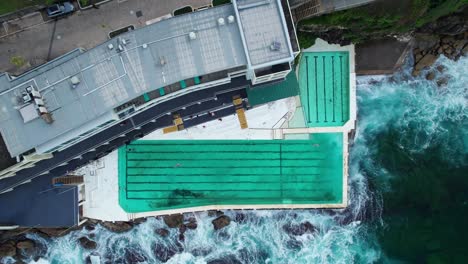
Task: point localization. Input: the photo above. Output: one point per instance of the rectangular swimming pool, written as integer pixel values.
(324, 88)
(162, 175)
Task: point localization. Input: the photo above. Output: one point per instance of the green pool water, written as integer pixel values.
(159, 175)
(324, 88)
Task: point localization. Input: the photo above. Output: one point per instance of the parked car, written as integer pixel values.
(60, 9)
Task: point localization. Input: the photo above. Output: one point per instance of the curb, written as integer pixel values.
(91, 6)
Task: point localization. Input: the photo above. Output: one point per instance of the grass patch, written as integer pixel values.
(84, 3)
(220, 2)
(18, 61)
(183, 10)
(386, 17)
(305, 39)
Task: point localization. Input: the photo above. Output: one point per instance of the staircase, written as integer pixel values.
(308, 9)
(68, 180)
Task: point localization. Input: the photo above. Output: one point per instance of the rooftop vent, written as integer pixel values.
(74, 81)
(230, 19)
(221, 21)
(192, 35)
(144, 46)
(110, 46)
(275, 46)
(26, 98)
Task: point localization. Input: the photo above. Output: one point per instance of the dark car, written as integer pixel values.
(60, 9)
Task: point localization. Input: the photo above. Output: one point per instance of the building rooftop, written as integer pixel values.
(80, 90)
(264, 31)
(165, 175)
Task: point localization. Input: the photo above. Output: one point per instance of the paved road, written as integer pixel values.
(34, 203)
(85, 29)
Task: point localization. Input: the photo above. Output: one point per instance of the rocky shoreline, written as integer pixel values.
(16, 245)
(446, 36)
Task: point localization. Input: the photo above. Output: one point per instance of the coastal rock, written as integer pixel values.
(425, 42)
(117, 227)
(192, 223)
(86, 243)
(173, 221)
(441, 68)
(430, 76)
(25, 244)
(299, 229)
(133, 256)
(465, 50)
(53, 232)
(163, 253)
(442, 81)
(7, 249)
(216, 213)
(221, 221)
(448, 25)
(162, 232)
(139, 220)
(426, 61)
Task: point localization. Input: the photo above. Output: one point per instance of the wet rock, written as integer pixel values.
(465, 50)
(133, 256)
(26, 247)
(426, 61)
(442, 81)
(163, 253)
(221, 221)
(173, 221)
(117, 227)
(229, 259)
(299, 229)
(441, 68)
(419, 56)
(430, 76)
(191, 225)
(459, 44)
(449, 51)
(53, 232)
(425, 42)
(7, 249)
(139, 220)
(87, 243)
(90, 227)
(162, 232)
(25, 244)
(216, 213)
(181, 237)
(448, 25)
